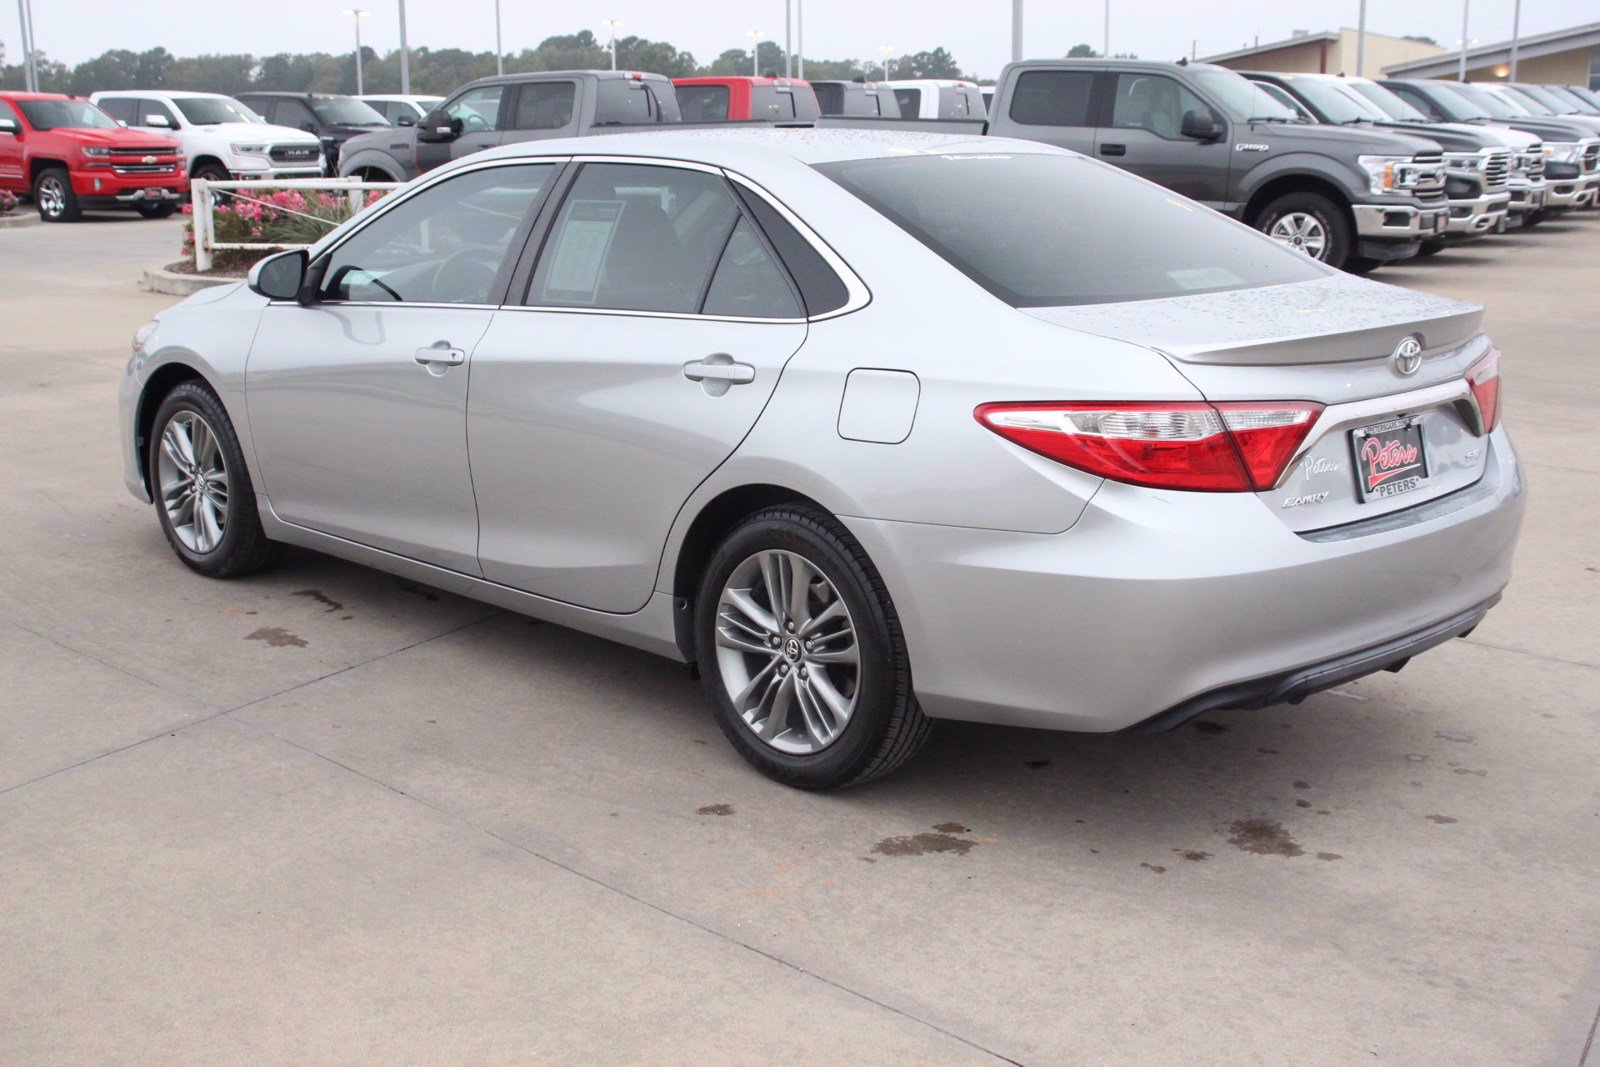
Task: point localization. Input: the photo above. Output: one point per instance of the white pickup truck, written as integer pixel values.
(221, 138)
(937, 98)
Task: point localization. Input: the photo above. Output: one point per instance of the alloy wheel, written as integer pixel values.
(194, 481)
(787, 652)
(52, 197)
(1301, 231)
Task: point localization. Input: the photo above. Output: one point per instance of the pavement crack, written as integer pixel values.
(1532, 655)
(225, 711)
(1588, 1044)
(639, 900)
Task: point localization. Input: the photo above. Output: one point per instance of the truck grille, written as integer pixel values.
(1497, 170)
(143, 168)
(295, 153)
(157, 159)
(1530, 162)
(1591, 158)
(1430, 183)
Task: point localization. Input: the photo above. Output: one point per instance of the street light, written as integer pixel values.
(886, 49)
(405, 54)
(755, 52)
(358, 14)
(1461, 73)
(613, 23)
(499, 49)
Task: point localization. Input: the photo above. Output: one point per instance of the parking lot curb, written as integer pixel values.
(174, 284)
(17, 222)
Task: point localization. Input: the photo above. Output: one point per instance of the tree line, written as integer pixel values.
(434, 71)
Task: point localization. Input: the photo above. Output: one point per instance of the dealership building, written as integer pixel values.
(1565, 57)
(1329, 52)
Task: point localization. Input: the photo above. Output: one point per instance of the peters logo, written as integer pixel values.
(1387, 460)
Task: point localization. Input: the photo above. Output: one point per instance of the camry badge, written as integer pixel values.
(1407, 357)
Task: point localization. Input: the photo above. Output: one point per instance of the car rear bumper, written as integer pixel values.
(1478, 216)
(1157, 599)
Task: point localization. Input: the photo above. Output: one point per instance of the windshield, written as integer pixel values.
(1385, 101)
(1588, 95)
(210, 110)
(1243, 97)
(1034, 230)
(1456, 107)
(65, 115)
(1541, 95)
(346, 111)
(1527, 98)
(1495, 105)
(1575, 104)
(1333, 103)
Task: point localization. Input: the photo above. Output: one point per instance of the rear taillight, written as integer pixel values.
(1213, 448)
(1484, 378)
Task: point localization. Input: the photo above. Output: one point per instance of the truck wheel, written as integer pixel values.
(1309, 223)
(1533, 218)
(1430, 248)
(53, 195)
(802, 654)
(162, 210)
(1361, 265)
(212, 173)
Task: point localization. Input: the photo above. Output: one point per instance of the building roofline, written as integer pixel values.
(1540, 44)
(1272, 46)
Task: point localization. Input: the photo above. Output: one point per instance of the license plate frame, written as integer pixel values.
(155, 192)
(1385, 464)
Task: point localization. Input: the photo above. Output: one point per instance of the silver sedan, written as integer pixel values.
(874, 428)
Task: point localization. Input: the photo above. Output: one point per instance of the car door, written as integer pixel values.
(12, 174)
(294, 114)
(1053, 106)
(1143, 135)
(654, 329)
(475, 115)
(358, 401)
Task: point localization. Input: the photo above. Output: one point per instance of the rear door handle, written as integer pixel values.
(441, 352)
(1113, 150)
(730, 372)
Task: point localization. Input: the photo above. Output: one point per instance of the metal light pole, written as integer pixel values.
(499, 49)
(1105, 51)
(1516, 34)
(30, 46)
(886, 49)
(755, 52)
(405, 54)
(788, 44)
(358, 14)
(1361, 41)
(1016, 31)
(800, 38)
(1461, 72)
(613, 24)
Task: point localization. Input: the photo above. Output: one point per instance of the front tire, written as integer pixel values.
(802, 655)
(53, 196)
(203, 495)
(1309, 223)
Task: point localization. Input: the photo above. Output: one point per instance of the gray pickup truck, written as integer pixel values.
(510, 108)
(1354, 198)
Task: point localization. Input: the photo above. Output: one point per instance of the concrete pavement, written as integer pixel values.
(325, 815)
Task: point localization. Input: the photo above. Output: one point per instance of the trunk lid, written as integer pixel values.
(1332, 341)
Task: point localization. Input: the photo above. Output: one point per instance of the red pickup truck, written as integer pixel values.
(743, 99)
(69, 155)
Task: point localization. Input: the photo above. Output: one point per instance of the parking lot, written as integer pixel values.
(326, 815)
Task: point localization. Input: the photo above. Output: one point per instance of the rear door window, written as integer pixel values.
(910, 102)
(120, 108)
(1052, 98)
(545, 105)
(703, 103)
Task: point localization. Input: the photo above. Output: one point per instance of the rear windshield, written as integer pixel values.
(703, 103)
(626, 102)
(1050, 230)
(830, 97)
(65, 115)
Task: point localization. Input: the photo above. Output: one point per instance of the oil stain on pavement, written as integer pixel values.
(277, 637)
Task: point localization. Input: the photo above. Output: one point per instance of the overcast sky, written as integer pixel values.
(978, 32)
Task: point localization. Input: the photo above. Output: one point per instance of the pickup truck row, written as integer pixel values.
(1352, 171)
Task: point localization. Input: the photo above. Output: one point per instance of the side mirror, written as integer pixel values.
(158, 120)
(437, 126)
(281, 276)
(9, 126)
(1200, 125)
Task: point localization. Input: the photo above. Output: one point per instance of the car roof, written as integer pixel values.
(170, 94)
(18, 94)
(737, 147)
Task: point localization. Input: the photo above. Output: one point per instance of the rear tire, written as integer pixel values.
(203, 495)
(53, 196)
(1309, 223)
(810, 684)
(162, 210)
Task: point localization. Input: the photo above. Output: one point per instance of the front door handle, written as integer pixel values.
(441, 352)
(732, 373)
(1113, 150)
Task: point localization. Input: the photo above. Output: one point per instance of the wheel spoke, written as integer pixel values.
(763, 677)
(728, 638)
(174, 443)
(763, 620)
(845, 654)
(799, 589)
(815, 716)
(838, 704)
(835, 610)
(779, 696)
(210, 529)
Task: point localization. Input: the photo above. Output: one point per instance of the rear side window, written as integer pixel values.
(544, 105)
(909, 101)
(703, 103)
(748, 282)
(821, 289)
(1061, 229)
(1052, 98)
(830, 98)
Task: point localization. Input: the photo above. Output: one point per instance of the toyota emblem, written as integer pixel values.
(1407, 357)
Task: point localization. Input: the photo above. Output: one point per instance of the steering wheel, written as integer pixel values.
(465, 277)
(474, 122)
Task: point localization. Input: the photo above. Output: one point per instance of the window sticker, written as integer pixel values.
(580, 251)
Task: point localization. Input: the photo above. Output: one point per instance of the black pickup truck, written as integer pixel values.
(1352, 197)
(511, 108)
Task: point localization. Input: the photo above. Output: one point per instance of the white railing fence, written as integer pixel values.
(203, 195)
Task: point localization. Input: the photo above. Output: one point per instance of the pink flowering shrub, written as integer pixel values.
(257, 216)
(8, 202)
